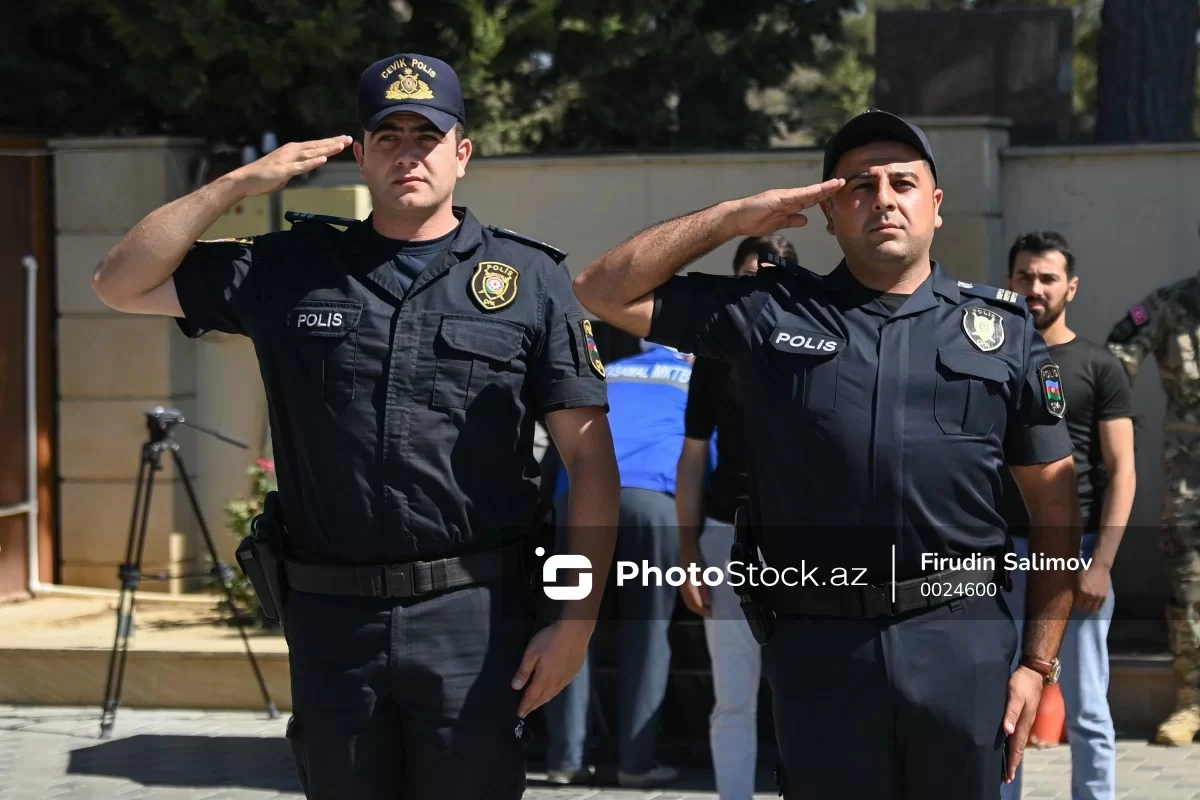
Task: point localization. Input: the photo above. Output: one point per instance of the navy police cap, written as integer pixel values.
(874, 125)
(410, 82)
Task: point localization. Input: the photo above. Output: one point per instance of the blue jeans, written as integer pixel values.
(736, 671)
(1084, 684)
(647, 531)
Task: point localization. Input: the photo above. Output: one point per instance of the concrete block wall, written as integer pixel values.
(112, 367)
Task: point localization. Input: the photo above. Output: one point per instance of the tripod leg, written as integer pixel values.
(224, 578)
(130, 574)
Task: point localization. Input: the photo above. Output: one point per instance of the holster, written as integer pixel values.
(758, 614)
(260, 555)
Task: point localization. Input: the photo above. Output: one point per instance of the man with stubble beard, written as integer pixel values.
(1099, 417)
(882, 402)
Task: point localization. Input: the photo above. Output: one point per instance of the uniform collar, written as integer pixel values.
(374, 263)
(842, 281)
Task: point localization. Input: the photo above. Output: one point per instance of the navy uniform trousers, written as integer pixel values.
(409, 699)
(893, 709)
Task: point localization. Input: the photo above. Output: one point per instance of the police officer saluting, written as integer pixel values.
(406, 360)
(882, 402)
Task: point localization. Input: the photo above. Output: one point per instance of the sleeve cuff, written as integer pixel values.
(574, 393)
(190, 323)
(1043, 445)
(672, 303)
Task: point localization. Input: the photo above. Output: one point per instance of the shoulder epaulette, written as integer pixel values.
(1005, 297)
(303, 216)
(788, 266)
(248, 241)
(554, 252)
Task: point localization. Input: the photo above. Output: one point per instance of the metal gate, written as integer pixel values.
(27, 367)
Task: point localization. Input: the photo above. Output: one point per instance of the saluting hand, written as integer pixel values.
(764, 213)
(272, 172)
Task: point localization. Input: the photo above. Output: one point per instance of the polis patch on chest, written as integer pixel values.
(796, 340)
(321, 320)
(324, 320)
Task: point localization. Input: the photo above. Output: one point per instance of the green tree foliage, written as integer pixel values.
(537, 74)
(649, 74)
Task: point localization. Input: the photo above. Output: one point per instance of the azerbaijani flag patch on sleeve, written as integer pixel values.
(1056, 401)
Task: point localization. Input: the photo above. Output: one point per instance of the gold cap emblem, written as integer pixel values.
(409, 87)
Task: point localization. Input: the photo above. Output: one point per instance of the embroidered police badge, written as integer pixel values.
(494, 285)
(1056, 401)
(593, 352)
(409, 87)
(984, 327)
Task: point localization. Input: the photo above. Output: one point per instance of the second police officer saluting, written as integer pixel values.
(406, 360)
(882, 402)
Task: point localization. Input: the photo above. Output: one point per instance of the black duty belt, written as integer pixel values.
(409, 579)
(874, 601)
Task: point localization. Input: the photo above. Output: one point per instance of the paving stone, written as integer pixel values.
(55, 754)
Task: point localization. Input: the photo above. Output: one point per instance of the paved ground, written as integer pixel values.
(54, 753)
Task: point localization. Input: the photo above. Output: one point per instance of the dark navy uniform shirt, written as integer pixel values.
(402, 419)
(867, 428)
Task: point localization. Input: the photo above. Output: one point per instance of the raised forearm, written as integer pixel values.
(151, 252)
(642, 263)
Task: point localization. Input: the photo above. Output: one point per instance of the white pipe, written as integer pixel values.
(31, 387)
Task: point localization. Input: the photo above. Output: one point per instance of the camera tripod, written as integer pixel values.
(160, 422)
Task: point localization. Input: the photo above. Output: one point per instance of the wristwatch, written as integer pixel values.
(1049, 670)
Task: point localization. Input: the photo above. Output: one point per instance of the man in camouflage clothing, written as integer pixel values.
(1167, 324)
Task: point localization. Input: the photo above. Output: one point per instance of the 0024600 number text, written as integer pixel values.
(941, 589)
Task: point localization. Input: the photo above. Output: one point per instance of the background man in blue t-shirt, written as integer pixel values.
(647, 395)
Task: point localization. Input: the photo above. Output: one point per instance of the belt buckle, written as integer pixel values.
(398, 580)
(876, 601)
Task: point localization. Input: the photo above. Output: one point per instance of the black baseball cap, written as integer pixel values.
(410, 82)
(874, 125)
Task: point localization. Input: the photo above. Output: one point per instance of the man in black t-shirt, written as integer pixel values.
(715, 404)
(1099, 418)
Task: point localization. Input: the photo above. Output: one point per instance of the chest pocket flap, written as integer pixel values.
(326, 335)
(473, 353)
(976, 365)
(969, 395)
(494, 340)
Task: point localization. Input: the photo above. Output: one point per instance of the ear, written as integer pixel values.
(937, 207)
(358, 154)
(1072, 288)
(464, 155)
(827, 209)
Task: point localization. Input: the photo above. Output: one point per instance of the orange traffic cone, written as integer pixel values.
(1050, 724)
